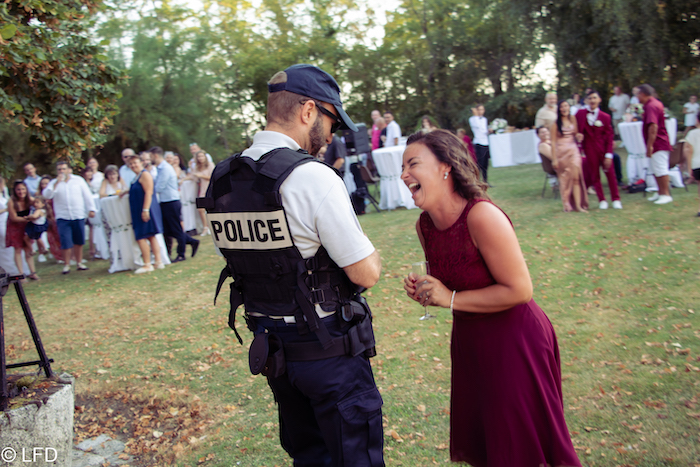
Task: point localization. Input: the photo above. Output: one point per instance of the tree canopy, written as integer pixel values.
(55, 83)
(200, 74)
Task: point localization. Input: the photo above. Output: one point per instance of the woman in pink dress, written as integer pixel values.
(506, 404)
(566, 160)
(202, 174)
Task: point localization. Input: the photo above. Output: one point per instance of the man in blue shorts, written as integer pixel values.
(72, 203)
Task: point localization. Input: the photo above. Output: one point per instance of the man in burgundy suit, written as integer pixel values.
(596, 128)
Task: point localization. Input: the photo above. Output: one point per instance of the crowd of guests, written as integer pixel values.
(578, 138)
(56, 216)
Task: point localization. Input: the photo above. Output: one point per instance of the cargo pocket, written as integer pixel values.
(362, 429)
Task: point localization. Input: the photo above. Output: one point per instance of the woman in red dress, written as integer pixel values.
(19, 207)
(506, 402)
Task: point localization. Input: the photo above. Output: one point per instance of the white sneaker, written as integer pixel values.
(144, 269)
(663, 199)
(617, 204)
(41, 258)
(654, 197)
(603, 205)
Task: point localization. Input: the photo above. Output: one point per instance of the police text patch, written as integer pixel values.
(250, 230)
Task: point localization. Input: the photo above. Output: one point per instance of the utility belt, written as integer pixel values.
(269, 353)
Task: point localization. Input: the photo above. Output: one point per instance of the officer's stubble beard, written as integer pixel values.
(316, 138)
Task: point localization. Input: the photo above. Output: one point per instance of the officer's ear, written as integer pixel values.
(308, 112)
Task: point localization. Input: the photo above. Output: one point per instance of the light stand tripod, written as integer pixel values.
(356, 143)
(43, 362)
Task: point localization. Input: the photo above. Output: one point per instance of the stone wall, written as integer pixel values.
(40, 433)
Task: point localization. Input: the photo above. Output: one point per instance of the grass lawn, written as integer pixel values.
(157, 366)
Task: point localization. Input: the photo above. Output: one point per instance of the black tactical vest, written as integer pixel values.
(249, 226)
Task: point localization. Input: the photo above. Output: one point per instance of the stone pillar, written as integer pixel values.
(40, 433)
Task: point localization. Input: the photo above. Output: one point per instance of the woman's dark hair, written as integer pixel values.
(27, 198)
(181, 161)
(559, 119)
(449, 149)
(45, 177)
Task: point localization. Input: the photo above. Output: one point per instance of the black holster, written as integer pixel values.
(266, 355)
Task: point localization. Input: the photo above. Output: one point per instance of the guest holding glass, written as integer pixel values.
(506, 401)
(145, 215)
(112, 184)
(97, 176)
(566, 160)
(18, 209)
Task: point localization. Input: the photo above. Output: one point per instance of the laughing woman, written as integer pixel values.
(506, 402)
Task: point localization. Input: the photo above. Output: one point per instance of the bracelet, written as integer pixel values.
(146, 210)
(452, 301)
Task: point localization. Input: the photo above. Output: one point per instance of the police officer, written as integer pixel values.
(299, 258)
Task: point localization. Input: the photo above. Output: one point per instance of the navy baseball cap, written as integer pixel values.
(311, 81)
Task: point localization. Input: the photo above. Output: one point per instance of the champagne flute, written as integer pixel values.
(421, 269)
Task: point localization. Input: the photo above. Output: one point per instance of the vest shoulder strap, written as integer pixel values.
(274, 168)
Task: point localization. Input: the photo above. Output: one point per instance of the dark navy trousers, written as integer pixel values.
(329, 410)
(172, 210)
(482, 160)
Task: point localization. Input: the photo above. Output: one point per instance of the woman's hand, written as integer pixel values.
(123, 193)
(146, 215)
(427, 290)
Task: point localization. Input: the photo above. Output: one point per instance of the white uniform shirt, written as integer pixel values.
(691, 118)
(72, 199)
(480, 128)
(318, 206)
(393, 134)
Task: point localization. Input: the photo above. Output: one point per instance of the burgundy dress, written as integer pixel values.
(52, 234)
(506, 403)
(14, 235)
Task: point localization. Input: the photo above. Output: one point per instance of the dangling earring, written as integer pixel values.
(446, 175)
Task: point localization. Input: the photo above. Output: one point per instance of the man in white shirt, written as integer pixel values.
(32, 180)
(547, 115)
(314, 394)
(690, 109)
(72, 203)
(125, 173)
(617, 104)
(480, 128)
(393, 130)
